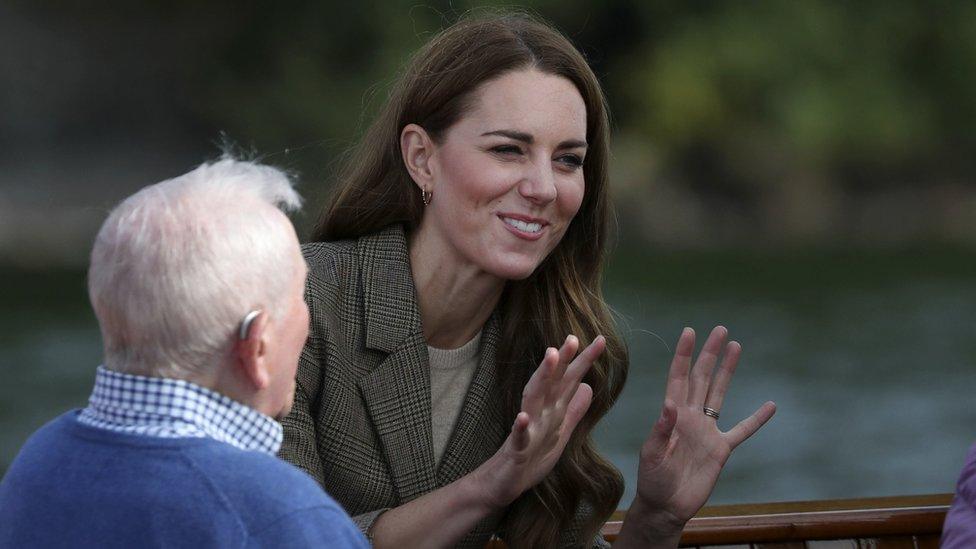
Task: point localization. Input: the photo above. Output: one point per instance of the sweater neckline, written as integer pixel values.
(452, 358)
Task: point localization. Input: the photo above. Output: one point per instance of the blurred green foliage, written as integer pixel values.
(856, 89)
(827, 84)
(802, 120)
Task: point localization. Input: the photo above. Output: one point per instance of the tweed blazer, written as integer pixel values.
(361, 420)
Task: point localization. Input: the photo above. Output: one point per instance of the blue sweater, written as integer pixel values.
(79, 486)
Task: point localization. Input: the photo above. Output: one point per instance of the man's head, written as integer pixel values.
(177, 267)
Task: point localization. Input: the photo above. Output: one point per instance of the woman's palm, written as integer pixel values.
(681, 459)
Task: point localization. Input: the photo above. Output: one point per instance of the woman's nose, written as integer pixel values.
(539, 184)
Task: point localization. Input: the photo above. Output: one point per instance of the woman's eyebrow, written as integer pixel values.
(572, 144)
(528, 139)
(512, 134)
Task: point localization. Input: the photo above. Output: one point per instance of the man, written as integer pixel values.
(197, 284)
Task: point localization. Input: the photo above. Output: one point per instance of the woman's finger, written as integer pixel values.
(748, 426)
(580, 365)
(701, 374)
(677, 388)
(534, 394)
(574, 412)
(568, 350)
(566, 353)
(716, 391)
(655, 448)
(520, 432)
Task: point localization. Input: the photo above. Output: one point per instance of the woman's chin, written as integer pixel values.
(515, 270)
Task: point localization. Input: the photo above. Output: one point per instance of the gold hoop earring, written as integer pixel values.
(426, 196)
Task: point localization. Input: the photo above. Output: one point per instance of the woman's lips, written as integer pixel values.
(524, 227)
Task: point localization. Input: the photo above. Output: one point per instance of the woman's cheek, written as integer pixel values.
(573, 199)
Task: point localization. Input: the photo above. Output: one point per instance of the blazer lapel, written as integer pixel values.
(389, 296)
(397, 392)
(482, 425)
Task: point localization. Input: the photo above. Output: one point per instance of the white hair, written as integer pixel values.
(177, 266)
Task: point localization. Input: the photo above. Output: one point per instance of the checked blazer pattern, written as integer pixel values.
(361, 420)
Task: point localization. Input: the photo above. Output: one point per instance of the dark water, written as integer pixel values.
(871, 359)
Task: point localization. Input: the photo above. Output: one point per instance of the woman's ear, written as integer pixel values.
(250, 351)
(417, 148)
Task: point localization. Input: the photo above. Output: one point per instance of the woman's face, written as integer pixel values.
(507, 178)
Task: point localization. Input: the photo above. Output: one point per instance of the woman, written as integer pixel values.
(466, 235)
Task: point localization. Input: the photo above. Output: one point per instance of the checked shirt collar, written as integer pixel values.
(175, 408)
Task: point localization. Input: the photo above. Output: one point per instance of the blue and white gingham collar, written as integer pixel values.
(175, 408)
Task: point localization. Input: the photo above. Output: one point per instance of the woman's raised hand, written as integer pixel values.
(685, 452)
(553, 402)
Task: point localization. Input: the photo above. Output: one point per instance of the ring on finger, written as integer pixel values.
(710, 412)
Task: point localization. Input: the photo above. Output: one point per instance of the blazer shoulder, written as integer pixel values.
(328, 261)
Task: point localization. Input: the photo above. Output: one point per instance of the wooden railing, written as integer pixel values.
(904, 521)
(890, 522)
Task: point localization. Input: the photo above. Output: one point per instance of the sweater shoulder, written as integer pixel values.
(223, 492)
(258, 486)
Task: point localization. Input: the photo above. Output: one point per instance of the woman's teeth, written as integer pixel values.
(522, 225)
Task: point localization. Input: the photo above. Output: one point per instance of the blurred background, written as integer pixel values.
(802, 172)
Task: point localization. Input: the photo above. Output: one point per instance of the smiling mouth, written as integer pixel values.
(524, 226)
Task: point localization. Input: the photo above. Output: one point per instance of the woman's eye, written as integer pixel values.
(507, 149)
(571, 160)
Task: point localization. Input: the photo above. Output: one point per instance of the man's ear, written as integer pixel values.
(251, 351)
(417, 148)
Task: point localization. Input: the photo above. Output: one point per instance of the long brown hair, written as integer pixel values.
(563, 295)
